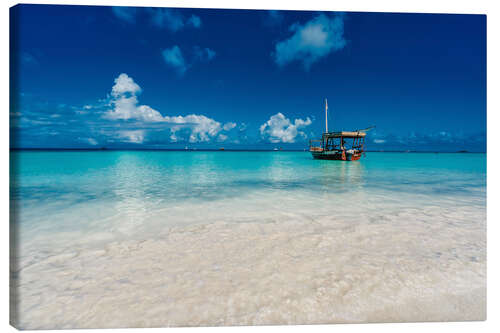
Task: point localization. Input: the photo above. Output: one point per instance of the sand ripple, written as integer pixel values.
(414, 266)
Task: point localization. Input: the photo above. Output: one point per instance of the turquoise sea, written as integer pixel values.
(419, 216)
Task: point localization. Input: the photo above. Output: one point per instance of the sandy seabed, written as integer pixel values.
(414, 266)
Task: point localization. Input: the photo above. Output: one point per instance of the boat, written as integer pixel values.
(339, 145)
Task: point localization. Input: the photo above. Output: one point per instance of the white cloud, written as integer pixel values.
(311, 41)
(280, 129)
(222, 138)
(173, 57)
(379, 140)
(202, 128)
(125, 106)
(135, 136)
(125, 84)
(229, 126)
(90, 141)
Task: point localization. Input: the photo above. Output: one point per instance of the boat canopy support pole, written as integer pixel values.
(326, 115)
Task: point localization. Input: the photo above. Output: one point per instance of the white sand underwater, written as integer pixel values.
(416, 265)
(149, 239)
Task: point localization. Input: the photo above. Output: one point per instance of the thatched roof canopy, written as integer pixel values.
(345, 134)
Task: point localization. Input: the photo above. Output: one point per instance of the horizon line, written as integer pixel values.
(231, 150)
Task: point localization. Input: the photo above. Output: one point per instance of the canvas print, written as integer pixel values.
(216, 167)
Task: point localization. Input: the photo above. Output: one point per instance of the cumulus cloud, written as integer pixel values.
(280, 129)
(201, 128)
(174, 58)
(104, 123)
(125, 106)
(125, 103)
(229, 126)
(123, 85)
(312, 41)
(135, 136)
(222, 138)
(127, 14)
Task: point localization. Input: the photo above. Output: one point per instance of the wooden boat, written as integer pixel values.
(341, 146)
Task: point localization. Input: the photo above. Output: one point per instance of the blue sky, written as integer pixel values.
(123, 77)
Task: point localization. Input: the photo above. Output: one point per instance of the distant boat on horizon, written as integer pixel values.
(340, 146)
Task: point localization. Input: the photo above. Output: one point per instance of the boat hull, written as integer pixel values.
(335, 155)
(353, 157)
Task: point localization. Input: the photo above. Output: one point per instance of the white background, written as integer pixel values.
(491, 8)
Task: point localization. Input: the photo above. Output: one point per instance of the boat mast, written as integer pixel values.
(326, 115)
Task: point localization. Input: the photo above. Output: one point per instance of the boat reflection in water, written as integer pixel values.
(341, 176)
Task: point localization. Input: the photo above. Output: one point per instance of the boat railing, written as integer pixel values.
(315, 145)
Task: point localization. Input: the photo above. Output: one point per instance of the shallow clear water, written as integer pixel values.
(84, 201)
(49, 186)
